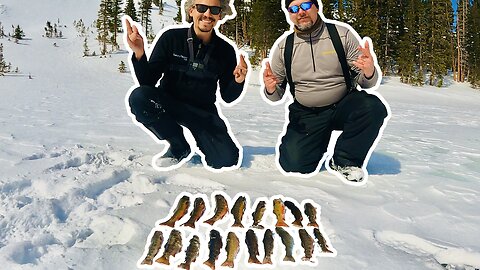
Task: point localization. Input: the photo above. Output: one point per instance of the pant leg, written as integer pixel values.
(306, 139)
(360, 115)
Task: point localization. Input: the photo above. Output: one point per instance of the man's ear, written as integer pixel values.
(190, 11)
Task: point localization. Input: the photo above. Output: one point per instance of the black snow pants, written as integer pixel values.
(360, 116)
(163, 115)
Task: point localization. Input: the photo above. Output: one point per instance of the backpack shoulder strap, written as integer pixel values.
(337, 44)
(287, 55)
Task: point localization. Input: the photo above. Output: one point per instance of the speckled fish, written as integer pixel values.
(311, 213)
(307, 243)
(296, 213)
(268, 246)
(192, 252)
(321, 241)
(221, 209)
(155, 244)
(172, 247)
(215, 245)
(258, 215)
(232, 248)
(252, 246)
(198, 210)
(279, 211)
(288, 242)
(238, 210)
(180, 211)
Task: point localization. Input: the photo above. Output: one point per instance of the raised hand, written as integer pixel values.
(269, 79)
(134, 40)
(240, 71)
(365, 61)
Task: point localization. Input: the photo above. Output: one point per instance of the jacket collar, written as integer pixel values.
(316, 30)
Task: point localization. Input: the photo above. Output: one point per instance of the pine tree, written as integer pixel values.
(268, 23)
(159, 4)
(103, 25)
(236, 29)
(327, 8)
(2, 61)
(115, 23)
(86, 50)
(178, 18)
(2, 31)
(122, 67)
(145, 20)
(130, 10)
(473, 45)
(407, 49)
(460, 71)
(18, 33)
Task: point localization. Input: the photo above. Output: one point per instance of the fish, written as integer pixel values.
(311, 213)
(155, 244)
(238, 210)
(198, 210)
(232, 248)
(268, 246)
(321, 241)
(172, 247)
(192, 252)
(288, 242)
(180, 211)
(214, 245)
(279, 211)
(252, 246)
(258, 215)
(296, 213)
(307, 243)
(221, 209)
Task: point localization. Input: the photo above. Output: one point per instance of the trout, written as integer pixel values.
(198, 210)
(311, 212)
(192, 252)
(279, 211)
(252, 245)
(268, 246)
(258, 215)
(155, 245)
(232, 248)
(296, 213)
(307, 243)
(321, 241)
(214, 245)
(238, 210)
(288, 242)
(180, 211)
(172, 247)
(221, 209)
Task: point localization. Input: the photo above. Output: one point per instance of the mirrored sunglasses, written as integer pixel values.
(305, 6)
(201, 8)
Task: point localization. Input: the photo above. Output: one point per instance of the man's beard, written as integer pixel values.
(305, 26)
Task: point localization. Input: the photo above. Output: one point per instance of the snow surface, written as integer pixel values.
(77, 190)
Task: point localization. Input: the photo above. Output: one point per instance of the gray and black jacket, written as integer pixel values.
(316, 70)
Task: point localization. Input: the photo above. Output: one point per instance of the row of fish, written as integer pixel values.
(238, 210)
(174, 245)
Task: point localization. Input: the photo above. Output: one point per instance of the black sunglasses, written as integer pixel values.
(305, 6)
(203, 8)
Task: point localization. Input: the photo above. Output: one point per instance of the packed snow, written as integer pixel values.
(77, 189)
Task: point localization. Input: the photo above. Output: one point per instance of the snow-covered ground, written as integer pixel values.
(77, 190)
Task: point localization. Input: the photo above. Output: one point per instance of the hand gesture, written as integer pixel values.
(365, 60)
(134, 40)
(241, 69)
(269, 79)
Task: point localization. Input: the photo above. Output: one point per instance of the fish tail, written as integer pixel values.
(184, 266)
(164, 260)
(289, 258)
(306, 259)
(210, 221)
(313, 224)
(228, 263)
(267, 260)
(297, 223)
(210, 264)
(257, 226)
(253, 259)
(281, 223)
(237, 224)
(169, 223)
(189, 224)
(147, 261)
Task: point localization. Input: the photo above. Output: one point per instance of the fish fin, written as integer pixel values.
(281, 223)
(228, 264)
(289, 259)
(184, 266)
(210, 264)
(313, 224)
(254, 260)
(147, 261)
(267, 260)
(163, 260)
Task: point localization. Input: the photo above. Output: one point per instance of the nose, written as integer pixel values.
(207, 13)
(301, 12)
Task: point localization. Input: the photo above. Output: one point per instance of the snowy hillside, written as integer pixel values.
(77, 190)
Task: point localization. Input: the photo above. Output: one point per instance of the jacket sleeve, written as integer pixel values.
(230, 90)
(352, 52)
(148, 72)
(277, 64)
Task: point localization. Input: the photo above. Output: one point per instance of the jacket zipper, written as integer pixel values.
(311, 49)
